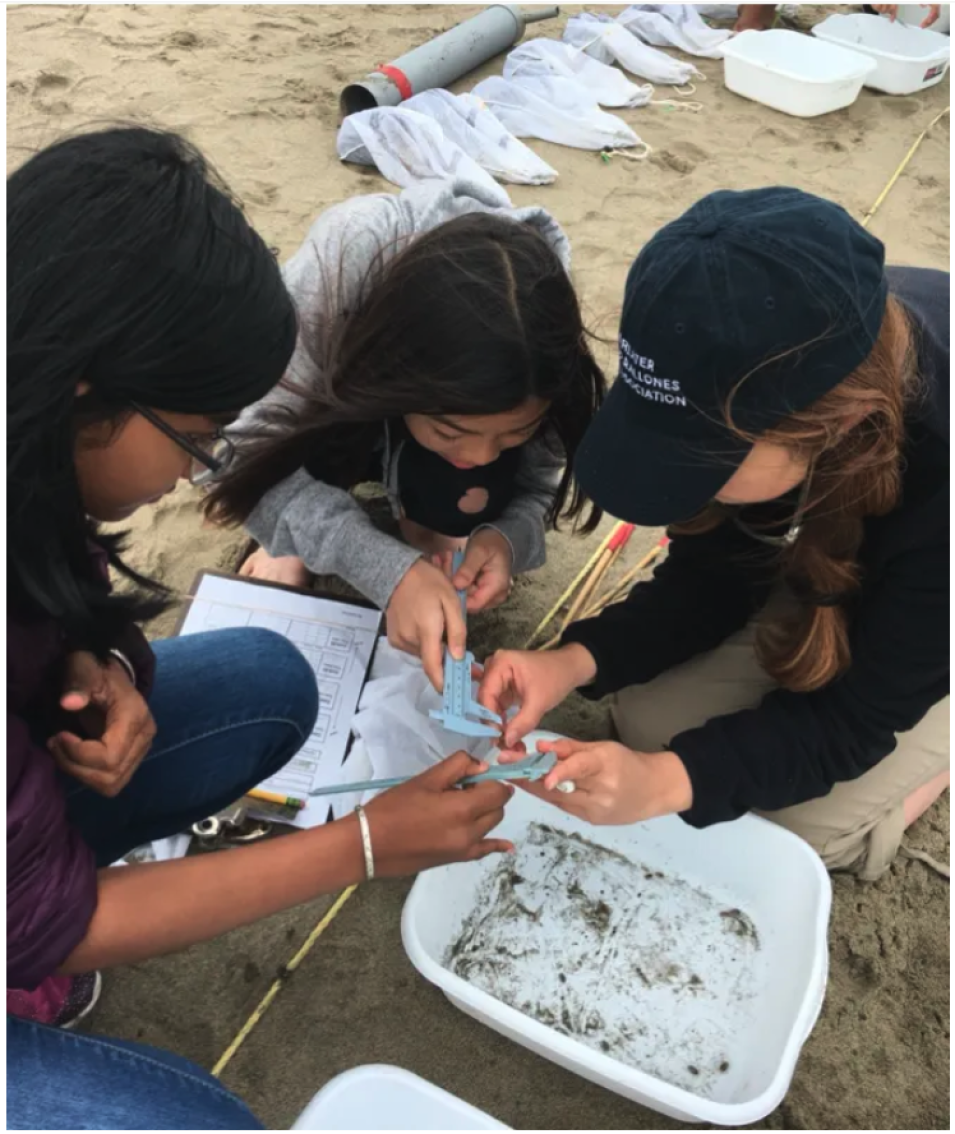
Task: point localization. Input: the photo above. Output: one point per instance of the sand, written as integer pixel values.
(257, 87)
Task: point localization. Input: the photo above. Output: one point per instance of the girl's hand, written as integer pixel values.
(287, 569)
(892, 11)
(486, 571)
(429, 822)
(423, 611)
(612, 783)
(112, 715)
(536, 681)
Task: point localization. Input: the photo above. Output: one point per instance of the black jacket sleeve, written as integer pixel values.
(796, 746)
(707, 588)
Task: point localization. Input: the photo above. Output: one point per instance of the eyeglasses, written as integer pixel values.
(210, 456)
(795, 526)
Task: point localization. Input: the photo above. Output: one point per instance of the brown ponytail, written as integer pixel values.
(856, 472)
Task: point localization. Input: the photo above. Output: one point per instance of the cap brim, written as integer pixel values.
(646, 477)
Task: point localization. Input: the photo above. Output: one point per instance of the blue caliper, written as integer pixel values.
(458, 706)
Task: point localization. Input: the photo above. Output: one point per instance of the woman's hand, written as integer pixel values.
(486, 571)
(892, 11)
(287, 569)
(428, 821)
(113, 717)
(535, 680)
(423, 610)
(613, 784)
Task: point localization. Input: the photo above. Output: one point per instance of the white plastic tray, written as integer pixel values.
(794, 73)
(381, 1097)
(907, 59)
(753, 1017)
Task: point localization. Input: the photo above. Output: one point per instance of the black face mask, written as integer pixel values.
(776, 522)
(432, 490)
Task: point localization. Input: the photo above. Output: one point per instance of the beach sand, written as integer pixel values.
(257, 88)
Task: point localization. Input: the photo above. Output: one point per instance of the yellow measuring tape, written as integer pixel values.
(904, 162)
(263, 1006)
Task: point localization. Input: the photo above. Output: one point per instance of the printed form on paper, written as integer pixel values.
(336, 637)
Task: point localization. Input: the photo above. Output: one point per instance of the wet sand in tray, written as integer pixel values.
(629, 960)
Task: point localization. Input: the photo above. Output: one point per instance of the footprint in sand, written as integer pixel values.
(300, 91)
(272, 25)
(49, 80)
(682, 158)
(900, 107)
(57, 107)
(185, 40)
(773, 135)
(336, 39)
(831, 145)
(262, 193)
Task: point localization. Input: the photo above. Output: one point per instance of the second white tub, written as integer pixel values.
(906, 59)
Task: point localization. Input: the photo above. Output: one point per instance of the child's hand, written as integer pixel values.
(486, 571)
(287, 569)
(423, 610)
(612, 783)
(536, 681)
(115, 722)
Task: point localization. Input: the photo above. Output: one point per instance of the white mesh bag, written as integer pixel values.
(542, 57)
(610, 42)
(407, 147)
(466, 121)
(555, 109)
(674, 25)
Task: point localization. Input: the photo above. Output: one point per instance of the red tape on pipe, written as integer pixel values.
(398, 77)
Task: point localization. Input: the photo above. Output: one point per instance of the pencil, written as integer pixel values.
(618, 540)
(626, 581)
(584, 572)
(615, 593)
(275, 797)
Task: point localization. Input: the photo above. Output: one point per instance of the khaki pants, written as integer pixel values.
(858, 825)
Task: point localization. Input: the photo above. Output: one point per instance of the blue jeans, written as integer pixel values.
(231, 708)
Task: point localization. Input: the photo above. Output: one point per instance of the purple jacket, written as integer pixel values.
(51, 872)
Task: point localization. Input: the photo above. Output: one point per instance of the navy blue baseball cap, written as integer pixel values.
(770, 297)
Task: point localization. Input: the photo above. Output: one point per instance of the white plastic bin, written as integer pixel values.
(907, 59)
(750, 865)
(794, 73)
(381, 1097)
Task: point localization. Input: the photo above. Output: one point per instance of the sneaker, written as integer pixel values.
(59, 1002)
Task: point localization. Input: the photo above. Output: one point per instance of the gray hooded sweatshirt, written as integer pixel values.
(324, 525)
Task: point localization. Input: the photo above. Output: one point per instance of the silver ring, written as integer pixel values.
(568, 787)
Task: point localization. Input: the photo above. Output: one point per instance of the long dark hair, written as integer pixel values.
(473, 317)
(129, 268)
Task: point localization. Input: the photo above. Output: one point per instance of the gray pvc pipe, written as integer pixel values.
(445, 59)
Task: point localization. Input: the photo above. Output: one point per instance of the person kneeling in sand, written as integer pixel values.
(143, 314)
(782, 404)
(441, 354)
